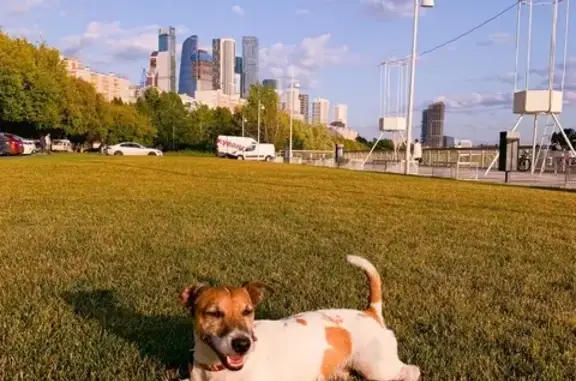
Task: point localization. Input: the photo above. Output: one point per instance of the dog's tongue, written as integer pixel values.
(235, 360)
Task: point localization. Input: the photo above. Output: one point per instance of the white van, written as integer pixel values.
(242, 148)
(227, 145)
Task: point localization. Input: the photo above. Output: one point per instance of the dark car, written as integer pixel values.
(10, 145)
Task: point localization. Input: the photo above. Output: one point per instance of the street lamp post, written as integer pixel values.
(409, 116)
(292, 102)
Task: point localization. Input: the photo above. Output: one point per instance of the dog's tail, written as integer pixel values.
(374, 285)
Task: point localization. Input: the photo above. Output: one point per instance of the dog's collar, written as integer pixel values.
(211, 367)
(206, 367)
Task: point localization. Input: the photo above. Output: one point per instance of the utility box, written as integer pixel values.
(508, 151)
(339, 153)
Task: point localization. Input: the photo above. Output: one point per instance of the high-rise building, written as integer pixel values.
(250, 61)
(224, 59)
(320, 111)
(304, 107)
(202, 70)
(424, 127)
(110, 86)
(341, 114)
(448, 142)
(152, 74)
(164, 78)
(433, 125)
(270, 83)
(238, 75)
(292, 100)
(188, 78)
(167, 43)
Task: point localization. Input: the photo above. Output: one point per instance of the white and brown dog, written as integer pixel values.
(320, 345)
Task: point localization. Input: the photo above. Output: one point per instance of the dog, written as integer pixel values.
(230, 345)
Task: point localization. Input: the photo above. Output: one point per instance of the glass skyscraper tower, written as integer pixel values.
(188, 79)
(167, 43)
(250, 59)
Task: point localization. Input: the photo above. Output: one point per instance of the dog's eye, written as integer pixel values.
(248, 312)
(215, 314)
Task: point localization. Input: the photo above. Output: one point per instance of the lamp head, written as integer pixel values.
(427, 4)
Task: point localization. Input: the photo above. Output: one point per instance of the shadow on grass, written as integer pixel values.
(167, 339)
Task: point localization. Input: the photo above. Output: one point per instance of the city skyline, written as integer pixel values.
(323, 57)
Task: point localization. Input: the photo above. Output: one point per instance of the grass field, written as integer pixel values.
(479, 280)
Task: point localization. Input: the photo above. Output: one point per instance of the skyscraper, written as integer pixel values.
(320, 111)
(188, 78)
(164, 78)
(305, 107)
(167, 43)
(270, 83)
(433, 125)
(250, 60)
(238, 76)
(341, 114)
(292, 99)
(202, 70)
(224, 59)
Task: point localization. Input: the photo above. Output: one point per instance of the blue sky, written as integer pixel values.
(333, 46)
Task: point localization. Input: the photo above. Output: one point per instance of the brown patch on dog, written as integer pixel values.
(219, 309)
(256, 290)
(371, 313)
(339, 350)
(375, 287)
(301, 321)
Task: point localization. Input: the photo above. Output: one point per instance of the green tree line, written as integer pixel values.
(37, 96)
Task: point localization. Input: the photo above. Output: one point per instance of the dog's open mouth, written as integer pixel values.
(234, 362)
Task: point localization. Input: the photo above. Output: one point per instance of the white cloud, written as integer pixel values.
(302, 11)
(302, 61)
(389, 9)
(238, 10)
(495, 38)
(538, 80)
(112, 42)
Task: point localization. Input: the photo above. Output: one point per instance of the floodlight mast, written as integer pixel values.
(392, 103)
(549, 101)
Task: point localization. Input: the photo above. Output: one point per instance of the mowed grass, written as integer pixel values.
(479, 280)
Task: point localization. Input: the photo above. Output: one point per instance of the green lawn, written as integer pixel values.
(479, 280)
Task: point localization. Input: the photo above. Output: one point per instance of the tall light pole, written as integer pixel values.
(417, 5)
(292, 102)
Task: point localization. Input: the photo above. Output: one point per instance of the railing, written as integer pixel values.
(445, 157)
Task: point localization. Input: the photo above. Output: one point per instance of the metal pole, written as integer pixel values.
(411, 88)
(258, 123)
(534, 133)
(291, 118)
(243, 122)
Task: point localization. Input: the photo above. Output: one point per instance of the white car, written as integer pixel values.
(29, 147)
(132, 149)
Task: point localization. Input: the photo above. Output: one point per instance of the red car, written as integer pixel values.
(10, 145)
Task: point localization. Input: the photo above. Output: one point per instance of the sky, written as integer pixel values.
(333, 47)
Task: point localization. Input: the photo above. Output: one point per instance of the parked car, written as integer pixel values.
(61, 145)
(131, 149)
(29, 146)
(10, 144)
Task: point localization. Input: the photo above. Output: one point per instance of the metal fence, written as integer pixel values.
(460, 164)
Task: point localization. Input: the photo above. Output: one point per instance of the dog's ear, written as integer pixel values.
(256, 290)
(189, 295)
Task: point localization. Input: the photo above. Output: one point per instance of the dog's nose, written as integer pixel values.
(241, 345)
